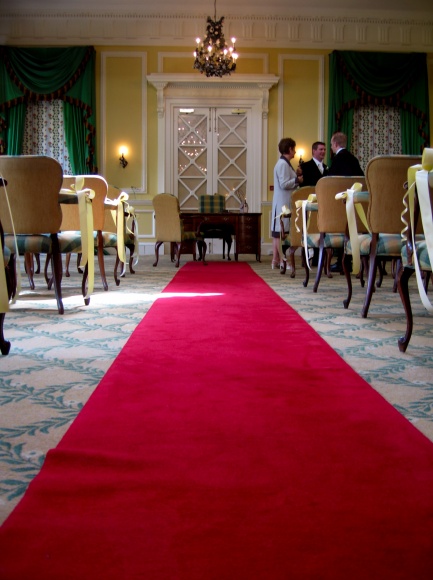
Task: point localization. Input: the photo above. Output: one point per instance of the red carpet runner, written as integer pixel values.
(228, 441)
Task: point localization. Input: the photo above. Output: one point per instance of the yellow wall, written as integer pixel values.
(123, 85)
(123, 89)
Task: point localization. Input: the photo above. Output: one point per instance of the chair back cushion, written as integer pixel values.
(386, 176)
(211, 203)
(33, 186)
(167, 218)
(331, 215)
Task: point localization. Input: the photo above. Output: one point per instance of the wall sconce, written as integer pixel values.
(301, 152)
(123, 151)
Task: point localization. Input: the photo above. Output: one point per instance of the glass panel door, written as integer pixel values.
(211, 155)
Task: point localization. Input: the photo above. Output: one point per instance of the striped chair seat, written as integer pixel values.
(422, 255)
(331, 240)
(6, 255)
(109, 239)
(388, 245)
(42, 243)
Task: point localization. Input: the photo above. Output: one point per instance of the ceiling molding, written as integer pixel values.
(351, 32)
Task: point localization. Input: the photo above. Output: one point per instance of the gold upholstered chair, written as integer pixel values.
(105, 227)
(385, 183)
(7, 283)
(331, 222)
(292, 240)
(33, 188)
(417, 240)
(170, 229)
(216, 203)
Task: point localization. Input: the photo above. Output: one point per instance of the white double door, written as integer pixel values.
(211, 154)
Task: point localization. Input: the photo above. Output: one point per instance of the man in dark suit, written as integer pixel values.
(346, 164)
(343, 161)
(314, 169)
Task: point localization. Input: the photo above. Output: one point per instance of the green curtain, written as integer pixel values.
(373, 78)
(35, 74)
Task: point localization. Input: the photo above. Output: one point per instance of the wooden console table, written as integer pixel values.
(246, 228)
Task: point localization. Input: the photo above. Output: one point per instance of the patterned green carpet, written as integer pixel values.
(56, 361)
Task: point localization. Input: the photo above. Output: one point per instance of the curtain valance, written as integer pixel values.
(372, 78)
(36, 74)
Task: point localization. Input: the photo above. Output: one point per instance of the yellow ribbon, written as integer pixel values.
(423, 178)
(306, 206)
(85, 196)
(4, 298)
(352, 202)
(119, 219)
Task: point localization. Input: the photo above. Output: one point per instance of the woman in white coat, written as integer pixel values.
(285, 182)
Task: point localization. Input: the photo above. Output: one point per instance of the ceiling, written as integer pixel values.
(270, 8)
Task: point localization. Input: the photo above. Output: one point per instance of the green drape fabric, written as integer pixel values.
(34, 74)
(372, 78)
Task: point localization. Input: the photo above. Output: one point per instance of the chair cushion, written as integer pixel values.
(388, 245)
(211, 203)
(331, 240)
(109, 239)
(6, 255)
(422, 254)
(36, 244)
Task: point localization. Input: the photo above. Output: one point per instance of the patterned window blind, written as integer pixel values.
(376, 131)
(44, 132)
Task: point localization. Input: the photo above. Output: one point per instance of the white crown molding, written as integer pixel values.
(169, 84)
(394, 32)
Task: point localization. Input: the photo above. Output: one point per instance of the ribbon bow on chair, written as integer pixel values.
(121, 205)
(305, 205)
(353, 198)
(422, 177)
(85, 196)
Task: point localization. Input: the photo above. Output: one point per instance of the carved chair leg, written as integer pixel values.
(322, 252)
(228, 240)
(38, 263)
(28, 266)
(372, 269)
(131, 258)
(56, 260)
(116, 268)
(395, 268)
(178, 246)
(67, 262)
(292, 251)
(381, 271)
(202, 248)
(84, 284)
(157, 246)
(79, 262)
(48, 277)
(403, 276)
(347, 272)
(101, 264)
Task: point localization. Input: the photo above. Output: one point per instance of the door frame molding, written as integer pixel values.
(188, 89)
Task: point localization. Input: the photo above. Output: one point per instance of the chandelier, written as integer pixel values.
(212, 55)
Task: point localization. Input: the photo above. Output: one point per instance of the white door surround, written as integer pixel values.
(238, 92)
